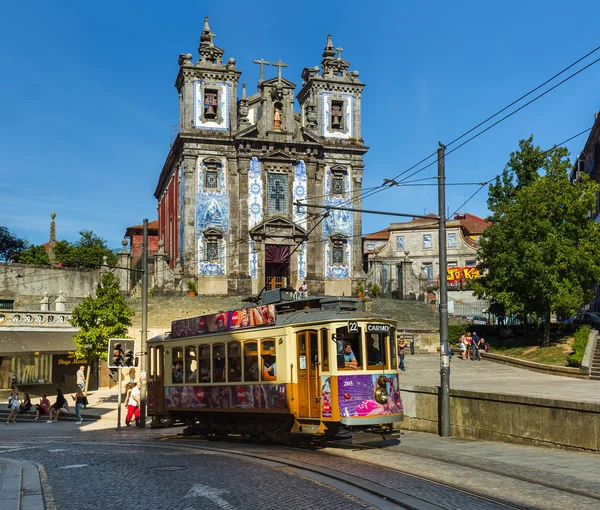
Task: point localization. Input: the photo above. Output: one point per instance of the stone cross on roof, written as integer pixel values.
(339, 50)
(279, 64)
(262, 63)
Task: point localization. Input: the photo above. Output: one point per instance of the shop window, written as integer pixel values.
(324, 350)
(218, 363)
(234, 361)
(250, 361)
(191, 365)
(204, 361)
(377, 350)
(269, 365)
(177, 365)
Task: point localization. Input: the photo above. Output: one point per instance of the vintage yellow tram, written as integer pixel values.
(286, 367)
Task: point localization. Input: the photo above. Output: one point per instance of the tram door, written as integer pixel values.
(309, 394)
(158, 372)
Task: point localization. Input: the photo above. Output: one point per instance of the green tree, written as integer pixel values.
(34, 255)
(10, 245)
(537, 256)
(99, 319)
(88, 251)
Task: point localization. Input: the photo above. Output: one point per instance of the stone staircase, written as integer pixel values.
(595, 368)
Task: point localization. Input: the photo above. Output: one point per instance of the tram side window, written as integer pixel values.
(177, 365)
(250, 361)
(325, 349)
(204, 363)
(349, 348)
(234, 361)
(267, 352)
(191, 365)
(376, 350)
(219, 363)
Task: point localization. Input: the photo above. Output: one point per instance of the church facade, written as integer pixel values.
(227, 193)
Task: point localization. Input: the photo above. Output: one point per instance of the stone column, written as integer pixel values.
(124, 261)
(45, 303)
(60, 305)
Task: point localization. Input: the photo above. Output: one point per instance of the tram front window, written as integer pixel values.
(376, 350)
(349, 348)
(269, 365)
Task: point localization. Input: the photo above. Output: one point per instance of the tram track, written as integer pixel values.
(458, 462)
(386, 496)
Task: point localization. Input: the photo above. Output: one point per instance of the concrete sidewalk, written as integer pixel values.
(489, 377)
(20, 486)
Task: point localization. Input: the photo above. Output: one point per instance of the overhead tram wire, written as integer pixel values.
(388, 183)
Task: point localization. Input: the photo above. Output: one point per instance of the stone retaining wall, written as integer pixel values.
(506, 418)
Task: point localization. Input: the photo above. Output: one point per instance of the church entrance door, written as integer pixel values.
(277, 266)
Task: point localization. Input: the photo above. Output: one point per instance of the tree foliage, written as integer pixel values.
(88, 251)
(100, 318)
(10, 245)
(537, 256)
(34, 255)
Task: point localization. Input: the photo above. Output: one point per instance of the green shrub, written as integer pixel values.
(376, 290)
(455, 331)
(579, 345)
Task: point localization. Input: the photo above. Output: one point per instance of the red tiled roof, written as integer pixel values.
(474, 225)
(382, 234)
(138, 229)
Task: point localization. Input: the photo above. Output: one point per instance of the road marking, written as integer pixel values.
(58, 450)
(73, 466)
(211, 493)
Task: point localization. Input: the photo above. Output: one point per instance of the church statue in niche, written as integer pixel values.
(277, 117)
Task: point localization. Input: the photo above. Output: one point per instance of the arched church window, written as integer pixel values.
(338, 250)
(212, 174)
(338, 180)
(212, 240)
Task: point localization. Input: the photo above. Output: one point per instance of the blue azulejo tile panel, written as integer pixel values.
(255, 210)
(181, 211)
(300, 216)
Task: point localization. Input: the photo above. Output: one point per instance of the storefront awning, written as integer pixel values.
(14, 342)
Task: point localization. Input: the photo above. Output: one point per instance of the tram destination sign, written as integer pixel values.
(378, 328)
(371, 328)
(243, 318)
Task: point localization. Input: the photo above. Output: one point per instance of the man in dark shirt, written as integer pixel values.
(475, 347)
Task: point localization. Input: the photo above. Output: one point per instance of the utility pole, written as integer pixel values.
(144, 336)
(444, 396)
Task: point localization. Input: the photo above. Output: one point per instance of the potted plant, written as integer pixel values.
(191, 286)
(360, 289)
(376, 290)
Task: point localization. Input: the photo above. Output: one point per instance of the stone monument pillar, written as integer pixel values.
(124, 261)
(52, 242)
(60, 305)
(45, 303)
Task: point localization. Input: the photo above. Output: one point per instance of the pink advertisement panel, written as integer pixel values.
(224, 321)
(356, 396)
(248, 396)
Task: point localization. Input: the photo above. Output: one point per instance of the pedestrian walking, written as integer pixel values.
(133, 406)
(475, 355)
(80, 401)
(14, 404)
(81, 378)
(401, 354)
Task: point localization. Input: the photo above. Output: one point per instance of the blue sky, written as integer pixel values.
(88, 98)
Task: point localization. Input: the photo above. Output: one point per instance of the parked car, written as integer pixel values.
(478, 319)
(591, 318)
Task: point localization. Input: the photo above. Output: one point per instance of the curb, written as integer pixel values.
(20, 488)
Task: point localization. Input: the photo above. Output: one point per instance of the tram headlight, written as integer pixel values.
(381, 395)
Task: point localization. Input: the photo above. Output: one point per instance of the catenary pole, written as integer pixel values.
(144, 335)
(444, 395)
(119, 382)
